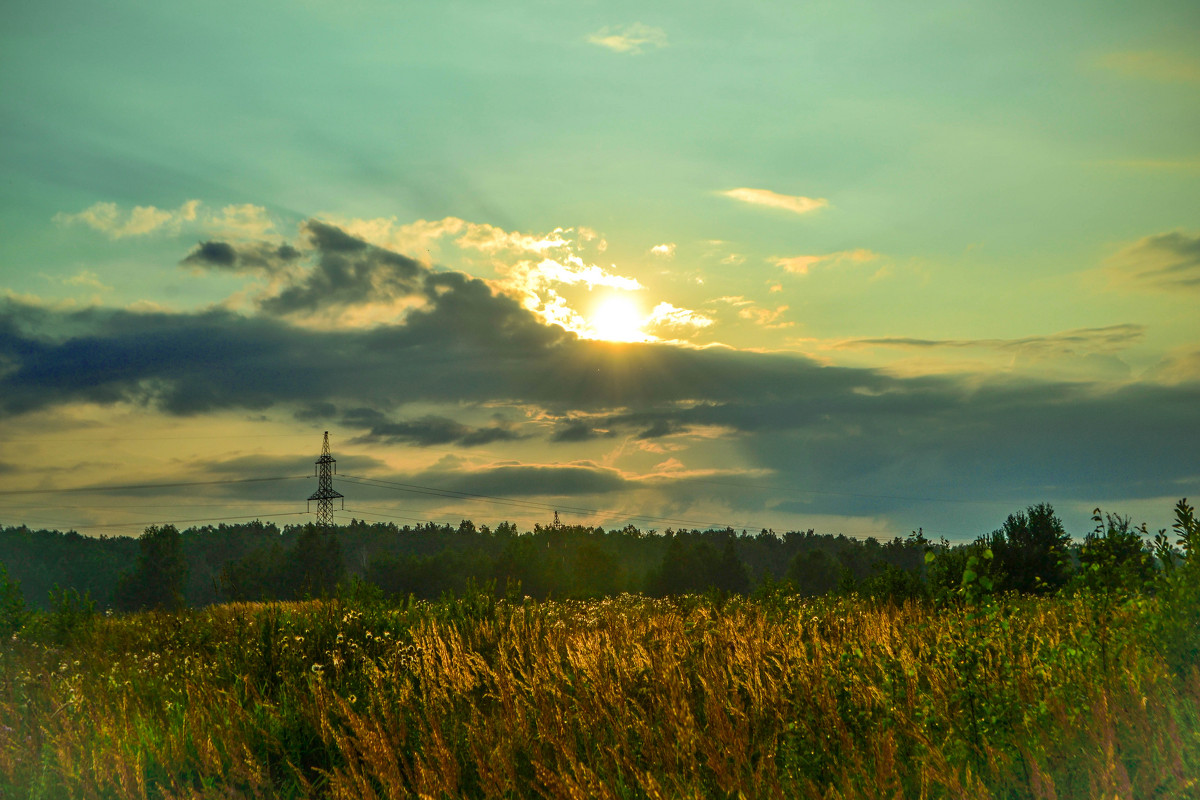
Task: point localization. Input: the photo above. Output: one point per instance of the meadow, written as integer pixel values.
(626, 697)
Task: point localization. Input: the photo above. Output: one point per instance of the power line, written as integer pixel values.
(121, 437)
(91, 506)
(386, 516)
(454, 494)
(131, 486)
(182, 521)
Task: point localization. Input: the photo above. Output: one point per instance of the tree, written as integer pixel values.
(595, 572)
(814, 573)
(254, 576)
(158, 578)
(728, 572)
(1115, 558)
(314, 565)
(889, 583)
(12, 605)
(1031, 551)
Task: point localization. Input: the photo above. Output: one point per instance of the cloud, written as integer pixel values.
(801, 265)
(490, 239)
(467, 346)
(434, 430)
(576, 272)
(348, 271)
(664, 250)
(1108, 339)
(662, 427)
(84, 278)
(532, 267)
(1166, 261)
(537, 283)
(1181, 366)
(336, 279)
(508, 479)
(141, 220)
(581, 431)
(629, 39)
(245, 221)
(426, 235)
(765, 197)
(734, 300)
(1155, 65)
(666, 315)
(766, 317)
(262, 257)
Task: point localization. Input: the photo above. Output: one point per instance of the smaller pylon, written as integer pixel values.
(325, 495)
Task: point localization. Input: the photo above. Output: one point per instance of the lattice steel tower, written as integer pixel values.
(325, 495)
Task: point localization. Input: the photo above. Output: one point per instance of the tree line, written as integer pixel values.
(166, 568)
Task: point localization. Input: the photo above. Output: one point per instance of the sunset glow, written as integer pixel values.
(617, 319)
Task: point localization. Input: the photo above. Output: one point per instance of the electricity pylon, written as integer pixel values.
(325, 495)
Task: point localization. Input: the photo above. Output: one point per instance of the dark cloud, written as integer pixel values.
(1168, 261)
(314, 412)
(489, 435)
(348, 271)
(526, 480)
(212, 254)
(580, 431)
(246, 257)
(662, 427)
(426, 431)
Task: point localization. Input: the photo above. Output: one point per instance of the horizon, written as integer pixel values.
(858, 268)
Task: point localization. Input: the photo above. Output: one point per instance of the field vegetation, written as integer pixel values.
(940, 686)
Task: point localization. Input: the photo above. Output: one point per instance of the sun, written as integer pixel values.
(617, 319)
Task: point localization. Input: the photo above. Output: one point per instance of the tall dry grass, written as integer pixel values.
(626, 697)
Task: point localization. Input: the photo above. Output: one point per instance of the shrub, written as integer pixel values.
(1115, 557)
(1179, 592)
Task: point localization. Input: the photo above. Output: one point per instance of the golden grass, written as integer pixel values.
(625, 697)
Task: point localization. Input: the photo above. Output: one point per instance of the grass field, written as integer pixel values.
(625, 697)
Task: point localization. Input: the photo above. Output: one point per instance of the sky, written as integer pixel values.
(857, 267)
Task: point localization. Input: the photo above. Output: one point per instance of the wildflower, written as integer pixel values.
(341, 638)
(318, 669)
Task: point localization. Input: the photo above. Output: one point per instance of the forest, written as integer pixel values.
(167, 568)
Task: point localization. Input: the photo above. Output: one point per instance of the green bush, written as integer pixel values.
(1115, 557)
(70, 613)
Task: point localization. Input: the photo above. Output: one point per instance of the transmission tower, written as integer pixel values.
(325, 495)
